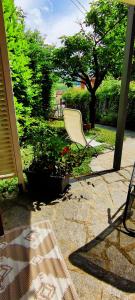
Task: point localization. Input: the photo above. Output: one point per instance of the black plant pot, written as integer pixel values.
(40, 182)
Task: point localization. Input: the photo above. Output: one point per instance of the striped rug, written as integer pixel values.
(31, 265)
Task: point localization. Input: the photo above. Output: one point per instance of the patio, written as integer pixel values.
(87, 222)
(104, 267)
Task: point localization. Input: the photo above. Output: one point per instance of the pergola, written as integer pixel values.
(10, 158)
(127, 64)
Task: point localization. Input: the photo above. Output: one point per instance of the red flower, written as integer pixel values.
(65, 151)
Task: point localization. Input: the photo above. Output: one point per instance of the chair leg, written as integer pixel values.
(1, 227)
(127, 213)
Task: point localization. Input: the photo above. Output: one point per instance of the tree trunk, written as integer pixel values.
(92, 107)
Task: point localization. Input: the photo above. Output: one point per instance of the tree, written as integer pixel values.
(42, 76)
(30, 69)
(89, 56)
(18, 52)
(29, 62)
(19, 64)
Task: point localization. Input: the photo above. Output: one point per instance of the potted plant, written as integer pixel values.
(52, 162)
(86, 126)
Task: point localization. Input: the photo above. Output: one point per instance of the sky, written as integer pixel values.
(53, 18)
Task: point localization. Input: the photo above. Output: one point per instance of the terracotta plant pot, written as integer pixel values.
(86, 126)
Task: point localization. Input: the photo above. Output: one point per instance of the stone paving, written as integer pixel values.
(87, 224)
(105, 161)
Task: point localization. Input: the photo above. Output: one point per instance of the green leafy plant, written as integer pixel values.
(108, 95)
(52, 155)
(109, 119)
(8, 185)
(70, 159)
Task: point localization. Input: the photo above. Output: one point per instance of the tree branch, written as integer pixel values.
(110, 29)
(88, 36)
(92, 36)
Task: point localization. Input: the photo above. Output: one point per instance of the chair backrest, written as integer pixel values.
(74, 126)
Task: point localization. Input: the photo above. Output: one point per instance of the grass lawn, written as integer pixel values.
(103, 135)
(56, 123)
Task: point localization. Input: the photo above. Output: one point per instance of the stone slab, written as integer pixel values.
(112, 177)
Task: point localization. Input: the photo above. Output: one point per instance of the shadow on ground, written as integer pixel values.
(91, 175)
(109, 257)
(31, 201)
(34, 200)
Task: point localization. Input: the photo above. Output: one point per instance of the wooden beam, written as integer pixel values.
(1, 226)
(9, 96)
(123, 104)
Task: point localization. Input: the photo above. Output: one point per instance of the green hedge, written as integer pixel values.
(131, 107)
(79, 99)
(108, 96)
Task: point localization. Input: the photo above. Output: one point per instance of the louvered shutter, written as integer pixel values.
(10, 158)
(7, 162)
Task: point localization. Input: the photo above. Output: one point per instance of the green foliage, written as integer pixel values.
(47, 146)
(58, 124)
(108, 20)
(79, 99)
(30, 69)
(94, 54)
(19, 62)
(108, 95)
(84, 166)
(59, 127)
(109, 119)
(80, 165)
(73, 58)
(18, 52)
(130, 123)
(103, 135)
(27, 156)
(51, 153)
(59, 85)
(23, 118)
(42, 79)
(8, 185)
(109, 91)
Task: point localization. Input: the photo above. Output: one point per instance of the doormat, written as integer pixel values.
(32, 267)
